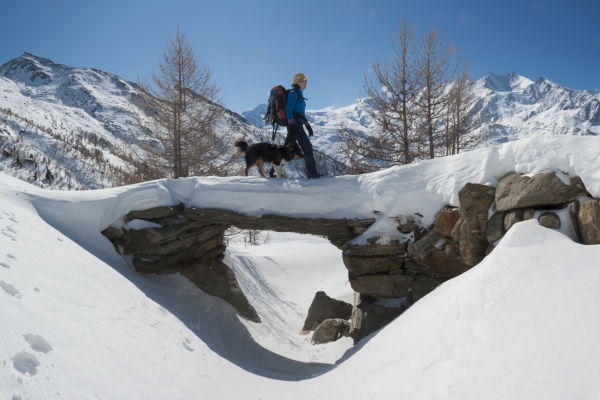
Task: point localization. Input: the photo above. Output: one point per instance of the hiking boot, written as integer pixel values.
(314, 176)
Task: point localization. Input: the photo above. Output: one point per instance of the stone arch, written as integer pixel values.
(190, 241)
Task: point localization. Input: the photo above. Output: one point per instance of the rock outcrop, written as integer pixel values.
(324, 307)
(549, 220)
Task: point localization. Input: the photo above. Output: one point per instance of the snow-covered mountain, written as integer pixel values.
(71, 121)
(519, 108)
(514, 107)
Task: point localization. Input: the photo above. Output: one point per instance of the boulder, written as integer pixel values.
(528, 214)
(589, 221)
(324, 307)
(397, 284)
(217, 279)
(475, 202)
(368, 317)
(549, 220)
(331, 330)
(512, 217)
(543, 189)
(446, 220)
(495, 228)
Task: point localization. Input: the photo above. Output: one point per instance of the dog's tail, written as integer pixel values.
(241, 146)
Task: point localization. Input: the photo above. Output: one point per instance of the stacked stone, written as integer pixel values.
(459, 240)
(162, 250)
(191, 247)
(519, 197)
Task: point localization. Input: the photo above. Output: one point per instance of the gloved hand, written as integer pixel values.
(309, 128)
(292, 127)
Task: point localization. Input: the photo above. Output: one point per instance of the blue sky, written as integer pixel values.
(252, 46)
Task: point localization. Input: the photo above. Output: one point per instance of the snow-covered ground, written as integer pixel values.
(77, 322)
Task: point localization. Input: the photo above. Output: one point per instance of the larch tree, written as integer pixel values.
(180, 106)
(422, 105)
(390, 94)
(435, 70)
(465, 115)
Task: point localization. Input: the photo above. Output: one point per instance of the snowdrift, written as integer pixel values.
(79, 322)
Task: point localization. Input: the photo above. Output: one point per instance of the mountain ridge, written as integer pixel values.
(69, 120)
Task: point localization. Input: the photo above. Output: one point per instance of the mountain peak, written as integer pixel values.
(33, 57)
(511, 82)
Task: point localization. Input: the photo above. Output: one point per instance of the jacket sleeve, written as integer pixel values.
(291, 103)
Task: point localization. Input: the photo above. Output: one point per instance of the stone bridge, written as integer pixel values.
(191, 241)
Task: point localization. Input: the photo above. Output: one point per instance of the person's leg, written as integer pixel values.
(307, 149)
(289, 139)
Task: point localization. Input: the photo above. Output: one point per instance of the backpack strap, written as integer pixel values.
(295, 114)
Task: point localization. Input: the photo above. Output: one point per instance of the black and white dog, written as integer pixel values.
(260, 153)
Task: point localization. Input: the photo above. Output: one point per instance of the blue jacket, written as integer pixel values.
(296, 105)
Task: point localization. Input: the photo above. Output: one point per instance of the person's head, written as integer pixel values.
(300, 80)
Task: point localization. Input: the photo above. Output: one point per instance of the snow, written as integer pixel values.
(521, 324)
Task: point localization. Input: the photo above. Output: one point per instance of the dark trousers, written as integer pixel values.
(304, 142)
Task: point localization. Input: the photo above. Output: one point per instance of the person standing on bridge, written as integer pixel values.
(296, 115)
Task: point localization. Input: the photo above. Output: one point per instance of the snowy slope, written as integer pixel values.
(522, 324)
(73, 121)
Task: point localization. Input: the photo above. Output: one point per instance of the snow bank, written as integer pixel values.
(522, 324)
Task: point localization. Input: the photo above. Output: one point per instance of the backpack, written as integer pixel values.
(275, 114)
